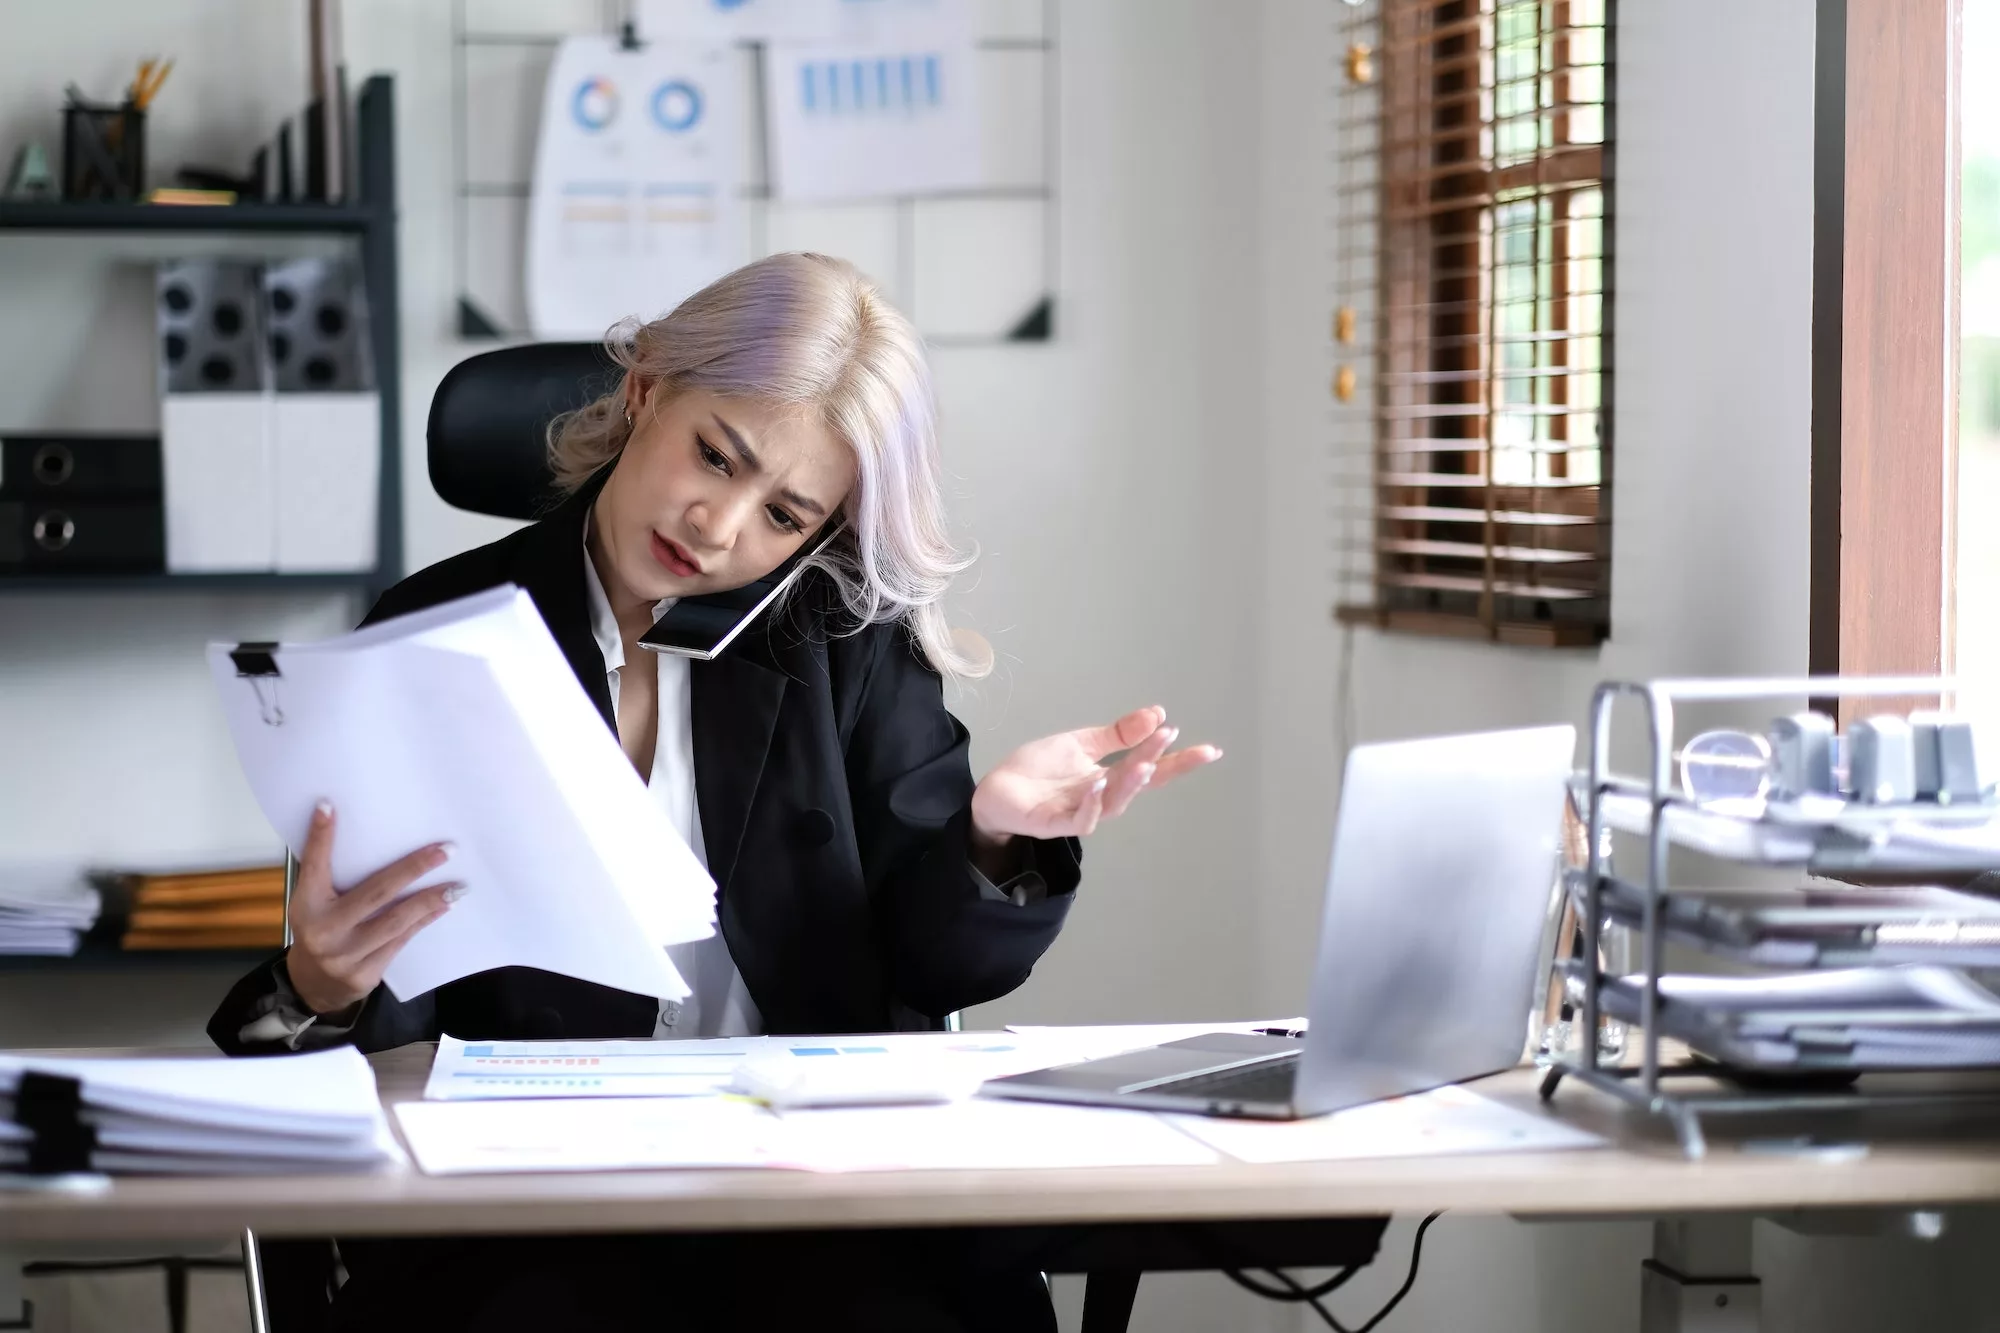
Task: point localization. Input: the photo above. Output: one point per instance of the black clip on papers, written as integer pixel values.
(49, 1107)
(258, 664)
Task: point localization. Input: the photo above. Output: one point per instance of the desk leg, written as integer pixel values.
(1108, 1295)
(15, 1312)
(1699, 1278)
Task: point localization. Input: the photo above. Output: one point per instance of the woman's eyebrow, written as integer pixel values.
(750, 460)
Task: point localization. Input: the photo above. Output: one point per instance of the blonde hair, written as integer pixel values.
(809, 331)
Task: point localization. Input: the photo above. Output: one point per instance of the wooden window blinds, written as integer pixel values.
(1470, 324)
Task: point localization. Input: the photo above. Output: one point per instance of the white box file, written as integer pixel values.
(327, 449)
(220, 485)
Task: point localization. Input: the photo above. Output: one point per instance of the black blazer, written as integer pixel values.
(835, 803)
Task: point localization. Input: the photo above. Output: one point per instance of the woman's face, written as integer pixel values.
(713, 493)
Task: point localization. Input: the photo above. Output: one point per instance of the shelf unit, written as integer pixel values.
(105, 956)
(57, 217)
(1654, 809)
(371, 222)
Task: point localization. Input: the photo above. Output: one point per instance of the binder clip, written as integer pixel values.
(49, 1107)
(258, 664)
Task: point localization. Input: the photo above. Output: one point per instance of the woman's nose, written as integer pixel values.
(717, 525)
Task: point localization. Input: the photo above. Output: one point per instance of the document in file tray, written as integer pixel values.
(464, 724)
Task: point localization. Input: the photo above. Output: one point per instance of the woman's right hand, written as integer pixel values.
(341, 942)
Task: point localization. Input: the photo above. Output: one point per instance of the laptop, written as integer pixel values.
(1444, 856)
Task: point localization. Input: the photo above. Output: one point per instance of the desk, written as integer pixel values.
(1641, 1175)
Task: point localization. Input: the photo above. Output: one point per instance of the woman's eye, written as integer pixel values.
(785, 522)
(711, 456)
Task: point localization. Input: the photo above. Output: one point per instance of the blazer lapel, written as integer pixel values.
(734, 702)
(735, 699)
(549, 564)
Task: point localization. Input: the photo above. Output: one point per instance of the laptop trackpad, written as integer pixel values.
(1194, 1055)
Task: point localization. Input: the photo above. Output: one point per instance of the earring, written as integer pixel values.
(628, 419)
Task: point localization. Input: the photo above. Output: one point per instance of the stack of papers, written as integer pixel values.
(45, 909)
(464, 724)
(1823, 831)
(281, 1115)
(1825, 925)
(1848, 1019)
(652, 1105)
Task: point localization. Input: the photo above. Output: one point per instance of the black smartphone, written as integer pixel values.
(701, 627)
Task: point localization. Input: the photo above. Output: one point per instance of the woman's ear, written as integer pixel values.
(637, 393)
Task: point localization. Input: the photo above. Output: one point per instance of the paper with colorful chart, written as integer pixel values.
(637, 194)
(487, 1070)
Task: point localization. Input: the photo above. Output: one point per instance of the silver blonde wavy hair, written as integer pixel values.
(811, 332)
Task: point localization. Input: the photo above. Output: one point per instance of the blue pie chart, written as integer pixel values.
(677, 106)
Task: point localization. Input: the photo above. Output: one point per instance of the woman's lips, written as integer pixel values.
(675, 558)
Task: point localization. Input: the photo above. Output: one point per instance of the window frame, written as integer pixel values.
(1440, 353)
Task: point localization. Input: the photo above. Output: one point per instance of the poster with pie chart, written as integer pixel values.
(636, 200)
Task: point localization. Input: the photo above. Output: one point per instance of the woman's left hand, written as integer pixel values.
(1056, 787)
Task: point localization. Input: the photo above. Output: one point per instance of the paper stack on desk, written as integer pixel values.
(45, 909)
(204, 1115)
(464, 724)
(1859, 1018)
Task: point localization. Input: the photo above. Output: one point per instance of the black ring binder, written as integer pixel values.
(49, 1106)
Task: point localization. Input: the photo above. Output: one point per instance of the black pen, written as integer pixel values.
(1280, 1032)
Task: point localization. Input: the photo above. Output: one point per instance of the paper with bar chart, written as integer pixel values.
(486, 1070)
(898, 114)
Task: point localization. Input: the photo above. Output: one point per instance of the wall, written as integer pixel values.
(1111, 478)
(1082, 466)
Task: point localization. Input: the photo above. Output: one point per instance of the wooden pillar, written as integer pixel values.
(1885, 336)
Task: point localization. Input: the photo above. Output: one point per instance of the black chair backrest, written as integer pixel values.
(489, 423)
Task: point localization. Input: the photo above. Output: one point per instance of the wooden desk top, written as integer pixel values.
(1642, 1174)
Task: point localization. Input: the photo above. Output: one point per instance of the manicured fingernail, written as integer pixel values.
(1100, 784)
(1215, 752)
(1172, 734)
(453, 892)
(445, 851)
(1145, 774)
(324, 809)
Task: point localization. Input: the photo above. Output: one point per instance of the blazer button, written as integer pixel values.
(813, 828)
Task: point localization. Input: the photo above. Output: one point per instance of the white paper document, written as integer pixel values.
(1443, 1121)
(803, 20)
(960, 1061)
(637, 194)
(45, 907)
(649, 1133)
(612, 1134)
(464, 724)
(985, 1134)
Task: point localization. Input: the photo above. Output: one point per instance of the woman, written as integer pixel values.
(865, 882)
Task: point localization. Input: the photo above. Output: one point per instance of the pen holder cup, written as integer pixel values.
(104, 152)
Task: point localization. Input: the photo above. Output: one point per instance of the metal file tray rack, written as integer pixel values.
(1655, 808)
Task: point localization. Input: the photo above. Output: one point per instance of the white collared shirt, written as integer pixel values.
(719, 1004)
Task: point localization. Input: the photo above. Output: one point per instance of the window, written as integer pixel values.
(1473, 164)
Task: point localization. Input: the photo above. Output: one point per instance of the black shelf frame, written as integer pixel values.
(104, 955)
(362, 580)
(371, 220)
(61, 217)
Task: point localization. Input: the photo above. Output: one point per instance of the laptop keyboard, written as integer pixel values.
(1266, 1081)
